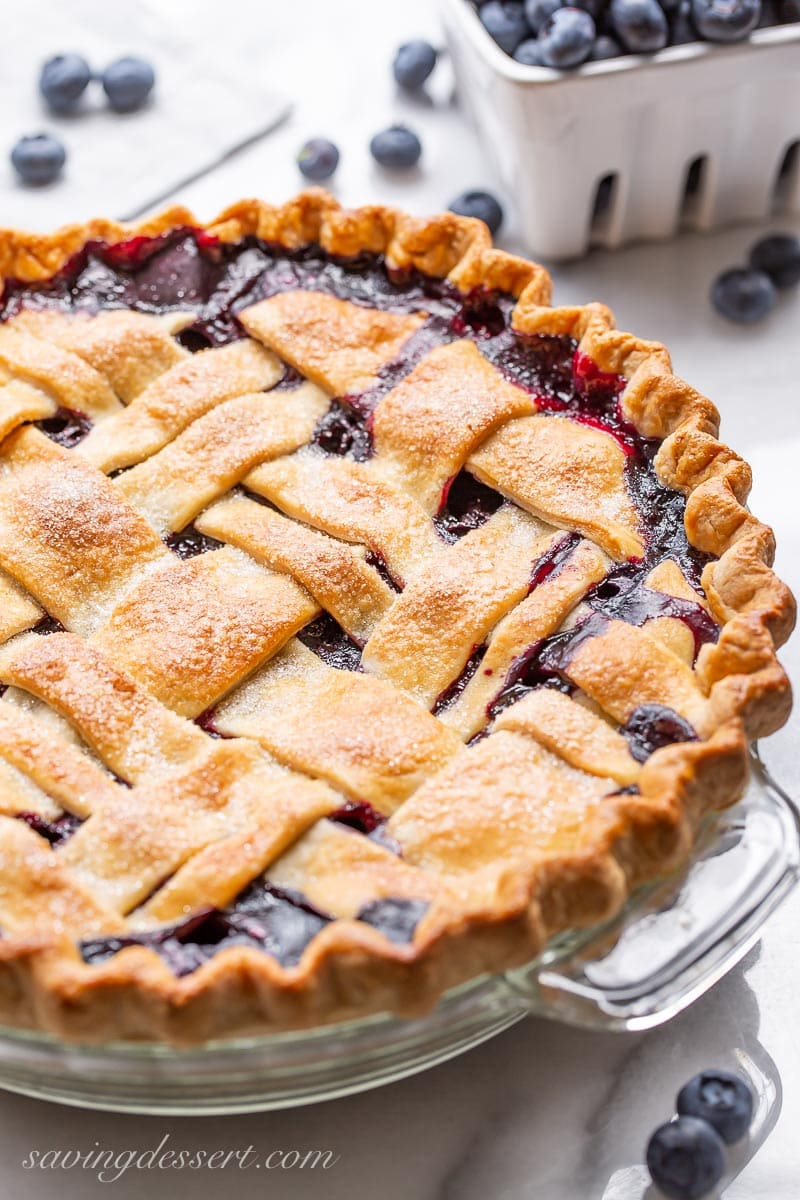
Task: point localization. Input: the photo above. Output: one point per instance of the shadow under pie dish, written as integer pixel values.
(364, 620)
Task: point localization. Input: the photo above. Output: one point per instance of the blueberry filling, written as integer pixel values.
(56, 832)
(66, 427)
(282, 923)
(366, 820)
(451, 693)
(376, 560)
(651, 726)
(467, 503)
(623, 596)
(396, 919)
(620, 596)
(191, 542)
(329, 641)
(48, 625)
(275, 920)
(550, 564)
(343, 432)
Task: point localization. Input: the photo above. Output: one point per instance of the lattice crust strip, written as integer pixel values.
(493, 826)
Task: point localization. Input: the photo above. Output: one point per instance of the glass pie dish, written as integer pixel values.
(672, 942)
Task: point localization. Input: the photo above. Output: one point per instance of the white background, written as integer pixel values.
(541, 1112)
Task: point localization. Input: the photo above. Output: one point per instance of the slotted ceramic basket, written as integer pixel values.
(670, 945)
(694, 137)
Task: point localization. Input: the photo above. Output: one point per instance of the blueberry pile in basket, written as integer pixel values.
(686, 1157)
(563, 35)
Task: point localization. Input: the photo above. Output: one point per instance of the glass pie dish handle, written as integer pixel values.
(677, 938)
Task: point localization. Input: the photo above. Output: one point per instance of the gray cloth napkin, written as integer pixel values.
(203, 109)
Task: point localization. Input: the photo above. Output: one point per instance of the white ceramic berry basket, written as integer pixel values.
(694, 137)
(672, 942)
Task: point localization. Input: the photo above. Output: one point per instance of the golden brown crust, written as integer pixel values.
(503, 918)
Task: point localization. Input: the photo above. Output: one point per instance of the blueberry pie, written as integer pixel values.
(364, 620)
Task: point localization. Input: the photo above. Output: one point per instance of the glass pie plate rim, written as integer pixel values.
(690, 929)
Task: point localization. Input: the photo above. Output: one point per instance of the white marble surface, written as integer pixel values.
(541, 1112)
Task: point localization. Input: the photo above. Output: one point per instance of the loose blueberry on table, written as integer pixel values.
(778, 256)
(743, 295)
(722, 1099)
(414, 63)
(397, 147)
(482, 205)
(128, 83)
(63, 81)
(318, 159)
(686, 1158)
(38, 159)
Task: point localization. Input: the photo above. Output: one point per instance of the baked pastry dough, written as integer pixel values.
(364, 620)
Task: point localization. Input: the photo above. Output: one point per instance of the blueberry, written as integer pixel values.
(566, 38)
(396, 919)
(723, 1100)
(396, 146)
(63, 80)
(779, 257)
(482, 205)
(670, 6)
(651, 726)
(725, 20)
(529, 53)
(38, 158)
(318, 159)
(413, 63)
(127, 83)
(505, 21)
(640, 25)
(604, 47)
(681, 29)
(538, 11)
(743, 295)
(686, 1158)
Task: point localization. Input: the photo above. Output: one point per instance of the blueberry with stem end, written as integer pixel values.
(743, 295)
(724, 1100)
(640, 25)
(318, 159)
(482, 205)
(686, 1158)
(38, 159)
(396, 147)
(778, 256)
(505, 21)
(725, 20)
(127, 83)
(413, 63)
(63, 80)
(566, 38)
